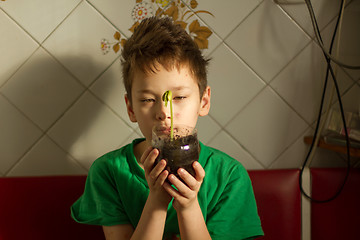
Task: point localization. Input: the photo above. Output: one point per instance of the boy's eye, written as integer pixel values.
(147, 100)
(179, 98)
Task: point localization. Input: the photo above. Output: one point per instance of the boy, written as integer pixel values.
(126, 193)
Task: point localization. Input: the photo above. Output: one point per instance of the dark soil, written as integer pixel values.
(180, 153)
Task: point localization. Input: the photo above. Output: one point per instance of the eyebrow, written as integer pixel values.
(174, 89)
(182, 88)
(144, 91)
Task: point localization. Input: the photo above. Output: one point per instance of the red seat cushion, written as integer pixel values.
(39, 208)
(279, 202)
(340, 218)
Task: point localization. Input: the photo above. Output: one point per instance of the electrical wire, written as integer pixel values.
(321, 44)
(327, 111)
(329, 69)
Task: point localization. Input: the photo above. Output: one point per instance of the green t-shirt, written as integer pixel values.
(116, 191)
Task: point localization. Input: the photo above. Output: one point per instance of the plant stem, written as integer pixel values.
(167, 97)
(172, 123)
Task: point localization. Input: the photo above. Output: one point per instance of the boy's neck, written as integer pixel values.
(139, 149)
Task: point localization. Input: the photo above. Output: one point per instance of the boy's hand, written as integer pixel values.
(185, 197)
(155, 177)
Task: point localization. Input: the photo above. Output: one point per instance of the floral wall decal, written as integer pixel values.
(180, 11)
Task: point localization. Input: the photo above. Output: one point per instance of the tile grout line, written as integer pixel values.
(21, 27)
(308, 128)
(31, 145)
(20, 66)
(107, 20)
(60, 23)
(44, 132)
(290, 145)
(21, 112)
(255, 96)
(67, 153)
(244, 148)
(85, 90)
(267, 83)
(24, 154)
(243, 20)
(40, 44)
(223, 129)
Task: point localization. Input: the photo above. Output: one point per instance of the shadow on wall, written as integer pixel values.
(55, 113)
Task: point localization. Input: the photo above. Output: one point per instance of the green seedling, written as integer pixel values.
(167, 97)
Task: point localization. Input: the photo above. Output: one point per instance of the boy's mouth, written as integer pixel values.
(163, 130)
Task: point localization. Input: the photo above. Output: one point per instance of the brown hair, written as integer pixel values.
(160, 41)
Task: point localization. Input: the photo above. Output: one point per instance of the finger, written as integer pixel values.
(170, 190)
(150, 160)
(189, 180)
(199, 171)
(181, 187)
(145, 154)
(156, 171)
(162, 177)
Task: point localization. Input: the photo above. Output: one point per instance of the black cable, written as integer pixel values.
(321, 44)
(329, 68)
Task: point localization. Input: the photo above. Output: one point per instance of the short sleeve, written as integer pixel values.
(235, 215)
(100, 203)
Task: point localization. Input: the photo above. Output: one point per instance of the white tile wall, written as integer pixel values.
(39, 17)
(302, 81)
(266, 126)
(62, 99)
(79, 38)
(225, 17)
(89, 129)
(235, 80)
(15, 46)
(325, 11)
(38, 89)
(117, 12)
(58, 162)
(18, 134)
(110, 89)
(267, 40)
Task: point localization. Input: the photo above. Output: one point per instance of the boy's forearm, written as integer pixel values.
(152, 221)
(192, 224)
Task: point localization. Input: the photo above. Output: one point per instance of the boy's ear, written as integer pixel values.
(129, 109)
(205, 102)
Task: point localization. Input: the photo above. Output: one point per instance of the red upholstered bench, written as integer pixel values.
(39, 207)
(340, 218)
(278, 199)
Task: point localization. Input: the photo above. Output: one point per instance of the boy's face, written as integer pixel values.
(148, 109)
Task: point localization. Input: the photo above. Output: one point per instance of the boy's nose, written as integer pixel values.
(162, 112)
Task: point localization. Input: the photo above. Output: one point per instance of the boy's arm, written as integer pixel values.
(191, 221)
(152, 221)
(192, 224)
(118, 232)
(150, 226)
